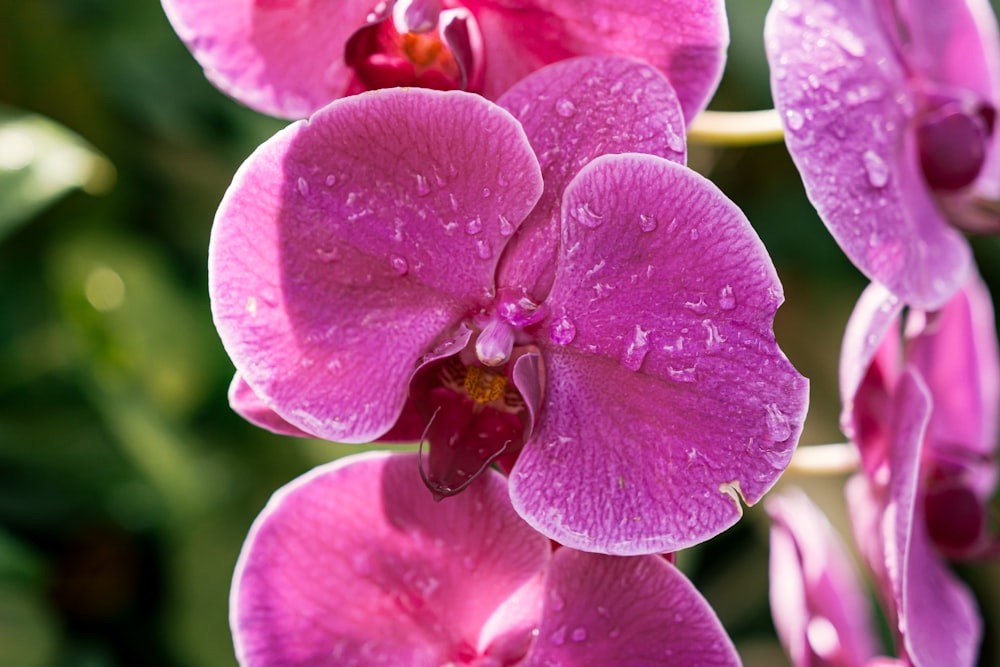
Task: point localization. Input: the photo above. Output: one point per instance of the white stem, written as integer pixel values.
(833, 459)
(736, 128)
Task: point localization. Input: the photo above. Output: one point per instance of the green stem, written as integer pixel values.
(736, 128)
(837, 459)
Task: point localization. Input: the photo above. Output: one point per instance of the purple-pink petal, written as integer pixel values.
(349, 244)
(937, 615)
(281, 57)
(818, 601)
(354, 563)
(248, 405)
(572, 112)
(628, 612)
(847, 106)
(956, 353)
(668, 400)
(687, 40)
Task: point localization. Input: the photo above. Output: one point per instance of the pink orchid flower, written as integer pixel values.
(818, 601)
(923, 412)
(890, 112)
(289, 58)
(414, 265)
(354, 564)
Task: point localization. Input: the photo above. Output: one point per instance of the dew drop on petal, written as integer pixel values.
(563, 330)
(647, 223)
(423, 187)
(506, 228)
(694, 234)
(399, 264)
(777, 423)
(483, 249)
(474, 226)
(876, 168)
(579, 634)
(303, 186)
(587, 217)
(684, 375)
(794, 119)
(486, 193)
(331, 180)
(699, 306)
(558, 638)
(727, 300)
(675, 141)
(565, 107)
(636, 349)
(556, 601)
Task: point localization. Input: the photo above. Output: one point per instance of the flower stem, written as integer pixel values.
(836, 459)
(736, 128)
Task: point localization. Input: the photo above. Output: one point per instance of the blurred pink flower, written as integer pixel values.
(289, 58)
(890, 116)
(923, 412)
(354, 564)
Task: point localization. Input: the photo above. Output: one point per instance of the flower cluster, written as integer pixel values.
(482, 238)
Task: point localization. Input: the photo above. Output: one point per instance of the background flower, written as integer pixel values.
(290, 58)
(354, 563)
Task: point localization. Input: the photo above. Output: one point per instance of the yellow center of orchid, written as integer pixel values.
(484, 386)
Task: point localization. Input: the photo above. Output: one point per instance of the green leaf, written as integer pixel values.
(40, 161)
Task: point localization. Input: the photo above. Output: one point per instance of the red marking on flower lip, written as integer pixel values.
(953, 139)
(441, 58)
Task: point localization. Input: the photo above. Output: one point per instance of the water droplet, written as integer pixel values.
(506, 228)
(848, 41)
(565, 107)
(586, 216)
(877, 169)
(694, 234)
(647, 223)
(303, 186)
(699, 306)
(486, 193)
(675, 140)
(399, 264)
(777, 423)
(423, 187)
(579, 634)
(794, 119)
(328, 256)
(636, 350)
(454, 203)
(678, 618)
(331, 180)
(556, 601)
(685, 375)
(474, 226)
(727, 300)
(483, 249)
(563, 330)
(558, 638)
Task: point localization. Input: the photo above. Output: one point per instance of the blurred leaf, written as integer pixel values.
(41, 160)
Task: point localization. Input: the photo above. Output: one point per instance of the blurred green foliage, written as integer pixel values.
(126, 484)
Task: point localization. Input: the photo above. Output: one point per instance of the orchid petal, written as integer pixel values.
(956, 354)
(938, 619)
(847, 108)
(602, 610)
(280, 57)
(667, 398)
(819, 604)
(572, 112)
(360, 539)
(687, 40)
(870, 361)
(248, 405)
(338, 255)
